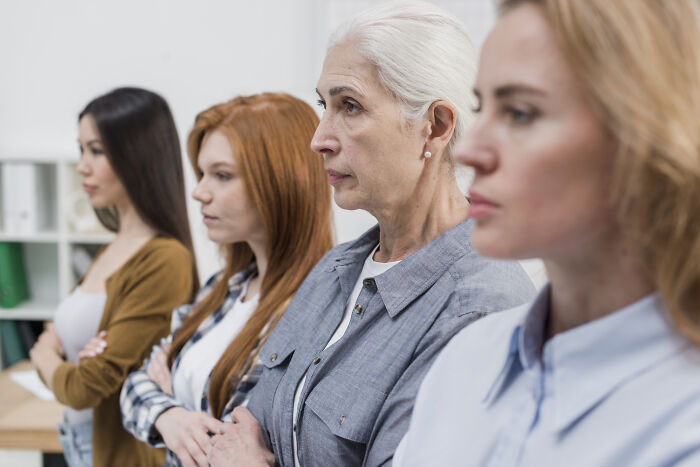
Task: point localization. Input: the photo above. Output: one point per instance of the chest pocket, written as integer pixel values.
(347, 408)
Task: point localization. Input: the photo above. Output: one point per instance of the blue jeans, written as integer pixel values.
(77, 443)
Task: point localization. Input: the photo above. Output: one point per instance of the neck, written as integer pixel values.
(434, 208)
(594, 285)
(131, 225)
(259, 251)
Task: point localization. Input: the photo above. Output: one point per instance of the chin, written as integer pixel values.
(492, 245)
(97, 204)
(344, 201)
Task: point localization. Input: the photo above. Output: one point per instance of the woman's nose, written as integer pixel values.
(325, 140)
(201, 194)
(476, 151)
(83, 167)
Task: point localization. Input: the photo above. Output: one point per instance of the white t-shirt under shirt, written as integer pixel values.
(199, 360)
(371, 268)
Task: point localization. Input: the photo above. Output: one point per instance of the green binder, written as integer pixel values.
(12, 349)
(13, 278)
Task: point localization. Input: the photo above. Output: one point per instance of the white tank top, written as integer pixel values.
(76, 320)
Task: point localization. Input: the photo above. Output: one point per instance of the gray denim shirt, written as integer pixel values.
(357, 400)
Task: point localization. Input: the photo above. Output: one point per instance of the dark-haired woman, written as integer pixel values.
(266, 202)
(132, 171)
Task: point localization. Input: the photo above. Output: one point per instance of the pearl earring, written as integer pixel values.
(428, 154)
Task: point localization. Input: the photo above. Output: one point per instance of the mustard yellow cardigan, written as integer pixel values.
(140, 298)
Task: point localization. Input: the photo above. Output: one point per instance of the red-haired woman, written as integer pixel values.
(266, 202)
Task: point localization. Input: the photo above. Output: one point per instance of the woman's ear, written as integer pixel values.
(442, 118)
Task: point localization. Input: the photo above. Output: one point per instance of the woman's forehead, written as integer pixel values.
(345, 67)
(522, 49)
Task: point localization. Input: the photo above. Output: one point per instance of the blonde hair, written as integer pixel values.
(640, 62)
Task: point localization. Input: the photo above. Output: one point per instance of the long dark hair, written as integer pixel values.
(141, 142)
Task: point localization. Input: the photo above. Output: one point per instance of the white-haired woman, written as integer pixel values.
(344, 363)
(587, 154)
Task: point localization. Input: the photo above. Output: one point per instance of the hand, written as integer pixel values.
(158, 369)
(39, 351)
(242, 440)
(95, 346)
(50, 338)
(186, 433)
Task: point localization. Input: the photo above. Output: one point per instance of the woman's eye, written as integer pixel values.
(97, 151)
(223, 176)
(519, 116)
(351, 107)
(321, 103)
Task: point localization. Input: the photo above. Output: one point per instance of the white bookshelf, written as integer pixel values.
(65, 224)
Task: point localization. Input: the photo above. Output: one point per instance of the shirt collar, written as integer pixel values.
(519, 351)
(238, 280)
(589, 362)
(407, 280)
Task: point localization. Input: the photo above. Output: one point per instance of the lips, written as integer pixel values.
(208, 219)
(89, 188)
(480, 206)
(334, 176)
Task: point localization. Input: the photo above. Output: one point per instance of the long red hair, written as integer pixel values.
(270, 135)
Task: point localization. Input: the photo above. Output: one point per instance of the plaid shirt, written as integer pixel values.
(142, 401)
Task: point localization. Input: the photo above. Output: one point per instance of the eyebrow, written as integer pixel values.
(216, 165)
(514, 89)
(92, 141)
(339, 90)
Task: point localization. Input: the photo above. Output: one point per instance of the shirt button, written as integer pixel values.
(273, 357)
(342, 419)
(294, 428)
(317, 360)
(369, 282)
(358, 308)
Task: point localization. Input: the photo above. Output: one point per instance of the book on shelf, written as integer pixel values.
(27, 192)
(13, 277)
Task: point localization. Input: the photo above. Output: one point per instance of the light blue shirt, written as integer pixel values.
(623, 390)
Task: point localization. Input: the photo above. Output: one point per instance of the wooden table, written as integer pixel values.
(27, 422)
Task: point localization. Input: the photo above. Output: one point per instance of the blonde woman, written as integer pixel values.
(587, 154)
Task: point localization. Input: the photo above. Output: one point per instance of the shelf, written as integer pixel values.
(91, 238)
(35, 310)
(37, 237)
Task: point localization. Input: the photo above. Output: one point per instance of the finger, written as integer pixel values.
(50, 326)
(198, 456)
(185, 457)
(243, 416)
(102, 334)
(212, 424)
(162, 358)
(203, 441)
(151, 375)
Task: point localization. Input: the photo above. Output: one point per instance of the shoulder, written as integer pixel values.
(162, 262)
(165, 256)
(486, 285)
(167, 249)
(477, 349)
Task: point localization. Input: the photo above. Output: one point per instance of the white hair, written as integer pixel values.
(422, 54)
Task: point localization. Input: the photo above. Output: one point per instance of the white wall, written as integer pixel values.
(57, 55)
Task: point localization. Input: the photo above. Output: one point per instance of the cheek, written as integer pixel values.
(555, 199)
